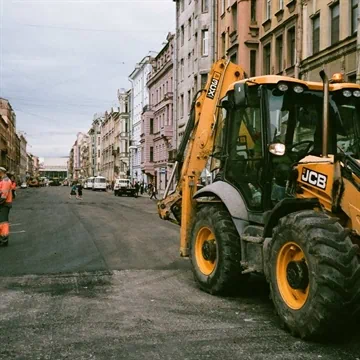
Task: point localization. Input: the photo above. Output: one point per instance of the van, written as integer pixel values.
(89, 183)
(99, 183)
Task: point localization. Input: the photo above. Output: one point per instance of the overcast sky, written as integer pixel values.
(63, 60)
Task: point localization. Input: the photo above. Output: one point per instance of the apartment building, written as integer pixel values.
(300, 38)
(109, 151)
(280, 37)
(157, 119)
(329, 30)
(140, 99)
(238, 26)
(123, 135)
(195, 51)
(95, 147)
(9, 142)
(76, 157)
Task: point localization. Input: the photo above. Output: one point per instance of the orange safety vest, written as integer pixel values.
(5, 190)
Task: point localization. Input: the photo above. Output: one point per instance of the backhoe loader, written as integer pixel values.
(285, 200)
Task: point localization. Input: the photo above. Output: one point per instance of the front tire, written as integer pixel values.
(215, 251)
(311, 263)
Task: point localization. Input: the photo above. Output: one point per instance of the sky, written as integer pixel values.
(62, 61)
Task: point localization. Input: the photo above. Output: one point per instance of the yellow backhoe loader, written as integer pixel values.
(285, 200)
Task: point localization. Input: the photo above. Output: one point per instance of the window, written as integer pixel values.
(352, 78)
(245, 150)
(252, 63)
(222, 7)
(189, 29)
(196, 44)
(151, 126)
(182, 69)
(279, 53)
(335, 17)
(182, 5)
(291, 46)
(281, 4)
(205, 43)
(316, 34)
(267, 59)
(203, 80)
(223, 44)
(234, 16)
(189, 63)
(253, 11)
(204, 5)
(98, 153)
(181, 105)
(195, 83)
(268, 9)
(189, 101)
(354, 16)
(151, 154)
(182, 35)
(233, 58)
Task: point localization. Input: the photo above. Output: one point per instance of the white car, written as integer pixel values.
(23, 186)
(124, 187)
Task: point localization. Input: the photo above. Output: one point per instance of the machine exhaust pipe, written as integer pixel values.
(325, 130)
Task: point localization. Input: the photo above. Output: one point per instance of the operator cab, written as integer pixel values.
(270, 124)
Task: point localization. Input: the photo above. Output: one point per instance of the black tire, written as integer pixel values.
(226, 277)
(331, 262)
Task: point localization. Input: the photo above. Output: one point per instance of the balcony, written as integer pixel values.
(169, 95)
(166, 131)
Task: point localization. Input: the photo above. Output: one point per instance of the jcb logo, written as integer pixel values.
(314, 178)
(213, 86)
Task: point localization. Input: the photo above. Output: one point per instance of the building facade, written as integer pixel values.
(123, 134)
(195, 51)
(300, 38)
(109, 149)
(157, 119)
(9, 152)
(95, 145)
(329, 32)
(55, 167)
(238, 25)
(140, 99)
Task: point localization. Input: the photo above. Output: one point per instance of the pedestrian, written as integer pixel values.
(142, 188)
(73, 190)
(153, 193)
(137, 187)
(79, 191)
(5, 206)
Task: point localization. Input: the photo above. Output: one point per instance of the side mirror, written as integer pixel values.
(277, 149)
(240, 94)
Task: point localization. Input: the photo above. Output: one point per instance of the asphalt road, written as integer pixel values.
(101, 279)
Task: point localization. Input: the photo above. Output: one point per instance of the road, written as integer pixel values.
(100, 278)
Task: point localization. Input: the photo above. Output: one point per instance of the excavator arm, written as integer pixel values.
(196, 148)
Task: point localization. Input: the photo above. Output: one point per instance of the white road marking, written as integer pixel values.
(17, 232)
(15, 224)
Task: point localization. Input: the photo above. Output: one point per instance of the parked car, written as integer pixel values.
(124, 187)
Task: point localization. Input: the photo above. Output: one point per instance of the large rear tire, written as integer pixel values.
(215, 251)
(312, 262)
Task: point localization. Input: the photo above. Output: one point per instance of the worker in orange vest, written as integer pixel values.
(5, 206)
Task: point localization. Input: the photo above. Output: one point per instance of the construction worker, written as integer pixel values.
(5, 206)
